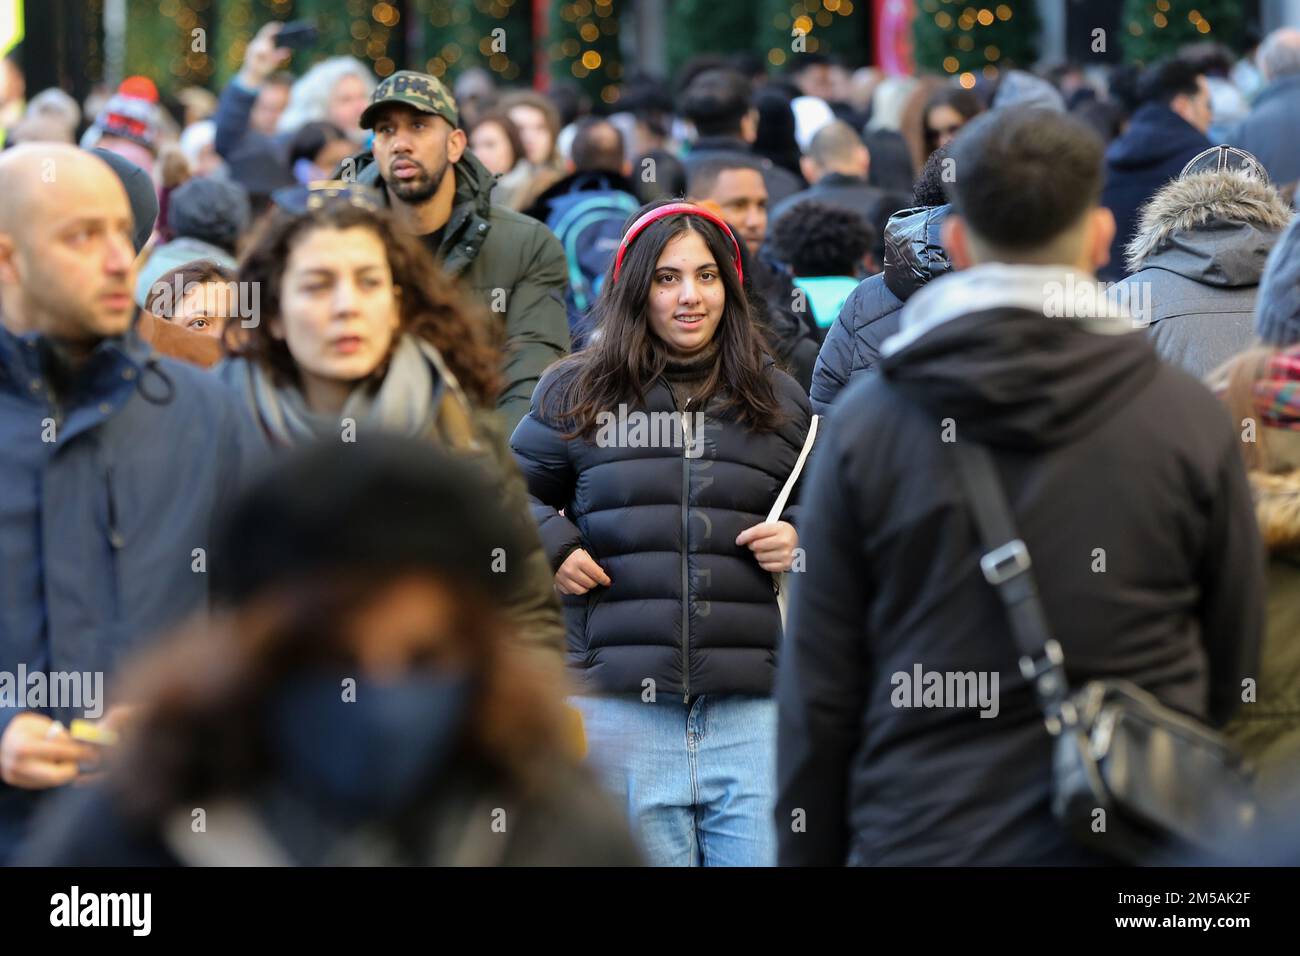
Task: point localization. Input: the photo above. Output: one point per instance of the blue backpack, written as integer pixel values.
(589, 225)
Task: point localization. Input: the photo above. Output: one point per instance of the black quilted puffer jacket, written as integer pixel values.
(686, 608)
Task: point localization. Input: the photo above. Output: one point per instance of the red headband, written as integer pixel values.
(675, 209)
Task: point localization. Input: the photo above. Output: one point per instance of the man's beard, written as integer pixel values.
(419, 190)
(79, 326)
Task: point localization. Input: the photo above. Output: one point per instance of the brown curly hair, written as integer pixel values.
(431, 307)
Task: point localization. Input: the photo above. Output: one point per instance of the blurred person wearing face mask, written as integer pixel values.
(440, 192)
(358, 701)
(97, 432)
(360, 333)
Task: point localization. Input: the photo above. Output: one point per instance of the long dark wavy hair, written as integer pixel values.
(431, 306)
(626, 357)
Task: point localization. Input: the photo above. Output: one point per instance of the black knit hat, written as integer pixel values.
(139, 193)
(380, 504)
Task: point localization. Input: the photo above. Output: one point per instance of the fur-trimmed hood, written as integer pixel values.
(1223, 221)
(1277, 508)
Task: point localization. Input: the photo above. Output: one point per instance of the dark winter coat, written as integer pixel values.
(1125, 480)
(687, 608)
(111, 486)
(1153, 150)
(1196, 262)
(491, 248)
(567, 822)
(792, 336)
(913, 256)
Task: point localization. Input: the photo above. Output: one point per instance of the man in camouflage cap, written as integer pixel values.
(420, 90)
(405, 103)
(439, 191)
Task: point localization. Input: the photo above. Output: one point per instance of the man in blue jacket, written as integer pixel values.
(1166, 131)
(113, 464)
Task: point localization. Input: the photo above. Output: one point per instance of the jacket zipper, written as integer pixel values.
(114, 533)
(686, 528)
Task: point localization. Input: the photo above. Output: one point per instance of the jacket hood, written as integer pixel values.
(1155, 135)
(1277, 508)
(1216, 228)
(986, 348)
(913, 253)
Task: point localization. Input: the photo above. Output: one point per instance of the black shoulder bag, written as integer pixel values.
(1172, 790)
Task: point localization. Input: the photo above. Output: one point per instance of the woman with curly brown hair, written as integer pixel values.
(358, 699)
(357, 332)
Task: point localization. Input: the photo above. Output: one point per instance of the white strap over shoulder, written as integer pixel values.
(784, 496)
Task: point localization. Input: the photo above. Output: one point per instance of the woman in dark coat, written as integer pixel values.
(653, 458)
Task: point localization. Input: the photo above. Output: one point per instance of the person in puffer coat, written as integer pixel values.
(653, 458)
(1197, 260)
(913, 256)
(360, 335)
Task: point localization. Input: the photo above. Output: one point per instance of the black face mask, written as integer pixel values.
(369, 757)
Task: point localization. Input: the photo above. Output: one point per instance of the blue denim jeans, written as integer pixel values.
(698, 780)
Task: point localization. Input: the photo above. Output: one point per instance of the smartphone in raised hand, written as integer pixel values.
(297, 34)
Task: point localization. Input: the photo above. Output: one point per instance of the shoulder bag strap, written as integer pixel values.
(1006, 566)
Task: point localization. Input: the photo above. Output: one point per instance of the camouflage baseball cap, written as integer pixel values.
(418, 90)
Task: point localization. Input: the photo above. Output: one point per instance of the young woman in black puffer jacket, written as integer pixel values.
(653, 457)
